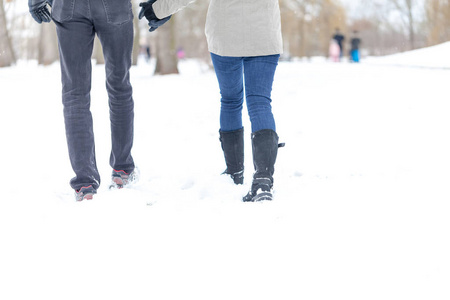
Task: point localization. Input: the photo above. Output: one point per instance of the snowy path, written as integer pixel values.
(361, 209)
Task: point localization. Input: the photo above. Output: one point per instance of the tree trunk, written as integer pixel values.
(48, 44)
(7, 56)
(166, 59)
(405, 8)
(137, 36)
(411, 22)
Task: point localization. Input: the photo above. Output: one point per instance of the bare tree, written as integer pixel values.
(7, 55)
(47, 44)
(137, 34)
(166, 58)
(295, 22)
(331, 16)
(308, 25)
(406, 10)
(190, 30)
(438, 21)
(386, 27)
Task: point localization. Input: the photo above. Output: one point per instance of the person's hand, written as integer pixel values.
(153, 21)
(39, 10)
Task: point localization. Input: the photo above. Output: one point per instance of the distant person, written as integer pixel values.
(148, 53)
(180, 53)
(339, 38)
(245, 41)
(77, 22)
(354, 51)
(334, 51)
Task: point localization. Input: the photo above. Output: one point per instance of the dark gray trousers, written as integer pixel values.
(77, 22)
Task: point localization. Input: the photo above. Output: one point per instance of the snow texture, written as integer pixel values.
(360, 211)
(431, 57)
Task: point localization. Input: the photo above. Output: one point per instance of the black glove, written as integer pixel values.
(39, 10)
(149, 13)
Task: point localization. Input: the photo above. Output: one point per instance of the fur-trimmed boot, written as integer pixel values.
(265, 149)
(233, 150)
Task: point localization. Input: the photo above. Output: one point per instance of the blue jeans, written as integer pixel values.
(256, 74)
(77, 22)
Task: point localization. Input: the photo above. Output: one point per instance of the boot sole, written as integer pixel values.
(264, 196)
(88, 196)
(117, 183)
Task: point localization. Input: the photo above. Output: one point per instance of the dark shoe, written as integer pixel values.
(265, 149)
(238, 177)
(261, 190)
(85, 193)
(120, 178)
(233, 149)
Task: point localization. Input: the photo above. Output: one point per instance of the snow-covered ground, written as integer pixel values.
(432, 57)
(362, 193)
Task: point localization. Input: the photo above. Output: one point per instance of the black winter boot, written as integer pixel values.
(265, 149)
(233, 150)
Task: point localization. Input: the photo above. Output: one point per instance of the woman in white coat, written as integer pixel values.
(244, 38)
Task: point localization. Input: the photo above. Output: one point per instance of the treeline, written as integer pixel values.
(385, 27)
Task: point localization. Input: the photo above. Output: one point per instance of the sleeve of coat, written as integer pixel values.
(165, 8)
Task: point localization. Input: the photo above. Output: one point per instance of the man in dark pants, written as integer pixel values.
(77, 22)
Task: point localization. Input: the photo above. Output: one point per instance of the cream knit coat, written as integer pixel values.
(239, 28)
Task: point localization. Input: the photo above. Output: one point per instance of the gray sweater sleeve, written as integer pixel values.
(165, 8)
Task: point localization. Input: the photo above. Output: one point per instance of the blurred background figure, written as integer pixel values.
(180, 53)
(335, 51)
(148, 54)
(339, 38)
(354, 50)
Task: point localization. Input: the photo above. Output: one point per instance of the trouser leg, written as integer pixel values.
(117, 43)
(75, 44)
(230, 77)
(259, 74)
